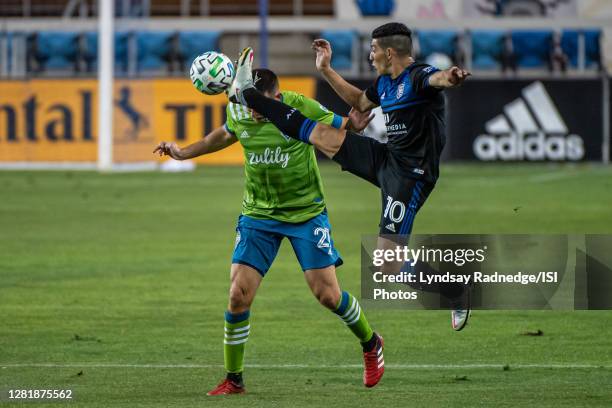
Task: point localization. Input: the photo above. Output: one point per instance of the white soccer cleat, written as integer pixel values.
(244, 77)
(459, 318)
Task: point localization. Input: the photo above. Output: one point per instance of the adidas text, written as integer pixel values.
(530, 128)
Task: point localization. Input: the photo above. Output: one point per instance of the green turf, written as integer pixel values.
(132, 269)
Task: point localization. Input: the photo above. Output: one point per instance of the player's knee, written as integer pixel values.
(240, 298)
(328, 298)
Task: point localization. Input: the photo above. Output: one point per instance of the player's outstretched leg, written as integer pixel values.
(324, 285)
(288, 120)
(461, 309)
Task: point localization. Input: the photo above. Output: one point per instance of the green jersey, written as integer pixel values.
(282, 177)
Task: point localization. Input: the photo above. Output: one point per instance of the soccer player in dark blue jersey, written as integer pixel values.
(407, 167)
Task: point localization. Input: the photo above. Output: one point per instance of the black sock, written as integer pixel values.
(287, 119)
(236, 378)
(370, 344)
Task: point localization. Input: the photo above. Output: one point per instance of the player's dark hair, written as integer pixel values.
(394, 35)
(265, 80)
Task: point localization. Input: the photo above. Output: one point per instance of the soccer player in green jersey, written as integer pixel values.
(283, 198)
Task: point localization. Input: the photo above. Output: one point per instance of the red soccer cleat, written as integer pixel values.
(374, 363)
(227, 387)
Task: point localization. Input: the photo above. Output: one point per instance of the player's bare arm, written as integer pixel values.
(449, 78)
(216, 140)
(352, 95)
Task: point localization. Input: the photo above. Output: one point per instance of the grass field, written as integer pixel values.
(115, 286)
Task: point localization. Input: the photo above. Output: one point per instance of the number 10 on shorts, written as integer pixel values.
(395, 210)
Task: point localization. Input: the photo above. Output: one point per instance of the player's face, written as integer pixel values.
(273, 95)
(378, 58)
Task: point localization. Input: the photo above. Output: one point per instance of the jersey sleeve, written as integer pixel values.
(312, 109)
(230, 121)
(372, 92)
(419, 77)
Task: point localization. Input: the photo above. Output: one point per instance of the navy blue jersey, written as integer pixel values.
(414, 115)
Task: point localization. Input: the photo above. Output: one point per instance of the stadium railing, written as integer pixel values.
(47, 49)
(164, 8)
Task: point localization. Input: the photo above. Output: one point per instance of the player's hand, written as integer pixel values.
(456, 76)
(324, 53)
(357, 121)
(168, 149)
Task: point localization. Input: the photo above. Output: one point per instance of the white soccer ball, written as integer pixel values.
(439, 60)
(212, 72)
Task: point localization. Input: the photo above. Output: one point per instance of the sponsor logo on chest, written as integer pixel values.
(269, 156)
(394, 128)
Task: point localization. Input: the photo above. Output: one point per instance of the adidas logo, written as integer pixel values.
(244, 134)
(390, 227)
(530, 128)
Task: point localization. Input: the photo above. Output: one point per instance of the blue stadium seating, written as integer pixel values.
(120, 45)
(532, 48)
(4, 53)
(376, 7)
(57, 50)
(487, 48)
(153, 49)
(194, 43)
(439, 41)
(592, 47)
(342, 43)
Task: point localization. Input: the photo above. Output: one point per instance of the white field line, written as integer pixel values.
(553, 176)
(311, 366)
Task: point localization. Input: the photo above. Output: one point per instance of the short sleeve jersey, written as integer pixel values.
(414, 115)
(282, 177)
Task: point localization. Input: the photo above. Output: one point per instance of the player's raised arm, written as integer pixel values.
(448, 78)
(352, 95)
(216, 140)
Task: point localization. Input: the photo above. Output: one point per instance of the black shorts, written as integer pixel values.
(402, 195)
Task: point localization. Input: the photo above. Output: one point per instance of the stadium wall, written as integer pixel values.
(55, 121)
(527, 120)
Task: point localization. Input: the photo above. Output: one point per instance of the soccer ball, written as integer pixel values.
(212, 72)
